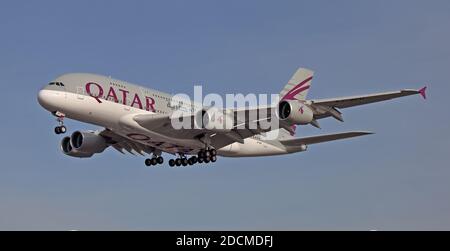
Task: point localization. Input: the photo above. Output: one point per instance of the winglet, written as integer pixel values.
(422, 92)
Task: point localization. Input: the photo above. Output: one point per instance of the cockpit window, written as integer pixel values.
(56, 83)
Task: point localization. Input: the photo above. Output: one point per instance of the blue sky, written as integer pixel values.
(396, 179)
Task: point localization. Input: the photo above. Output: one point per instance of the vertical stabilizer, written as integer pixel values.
(298, 86)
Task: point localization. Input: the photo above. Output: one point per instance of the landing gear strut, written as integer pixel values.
(60, 118)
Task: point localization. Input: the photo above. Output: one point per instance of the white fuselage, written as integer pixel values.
(116, 113)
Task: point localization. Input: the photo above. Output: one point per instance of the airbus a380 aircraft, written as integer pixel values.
(139, 120)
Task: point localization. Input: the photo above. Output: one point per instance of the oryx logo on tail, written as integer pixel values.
(298, 86)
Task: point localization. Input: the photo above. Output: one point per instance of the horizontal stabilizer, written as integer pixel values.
(322, 138)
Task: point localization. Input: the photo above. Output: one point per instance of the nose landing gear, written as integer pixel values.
(60, 118)
(60, 129)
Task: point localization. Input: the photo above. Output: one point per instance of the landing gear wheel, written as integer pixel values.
(206, 160)
(213, 158)
(194, 159)
(148, 162)
(200, 160)
(213, 152)
(160, 160)
(171, 162)
(153, 161)
(184, 161)
(62, 129)
(178, 162)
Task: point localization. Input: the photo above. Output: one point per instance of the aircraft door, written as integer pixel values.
(80, 93)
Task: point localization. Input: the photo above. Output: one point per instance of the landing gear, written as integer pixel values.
(181, 161)
(60, 129)
(207, 155)
(204, 156)
(154, 161)
(192, 160)
(60, 118)
(184, 161)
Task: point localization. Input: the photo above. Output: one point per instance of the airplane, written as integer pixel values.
(138, 120)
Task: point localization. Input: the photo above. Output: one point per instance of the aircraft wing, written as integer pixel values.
(123, 144)
(323, 138)
(247, 122)
(298, 143)
(327, 107)
(345, 102)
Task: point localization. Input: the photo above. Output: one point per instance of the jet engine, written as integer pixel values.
(83, 144)
(295, 112)
(215, 120)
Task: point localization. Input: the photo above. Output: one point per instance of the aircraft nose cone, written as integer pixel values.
(42, 97)
(46, 99)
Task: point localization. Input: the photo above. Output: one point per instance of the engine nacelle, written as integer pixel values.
(215, 120)
(87, 142)
(83, 144)
(67, 149)
(295, 112)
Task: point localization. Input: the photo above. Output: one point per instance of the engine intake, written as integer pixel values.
(295, 112)
(88, 142)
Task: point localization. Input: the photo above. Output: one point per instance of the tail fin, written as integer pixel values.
(298, 86)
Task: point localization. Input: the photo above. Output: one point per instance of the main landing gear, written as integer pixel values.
(156, 160)
(60, 118)
(208, 155)
(204, 156)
